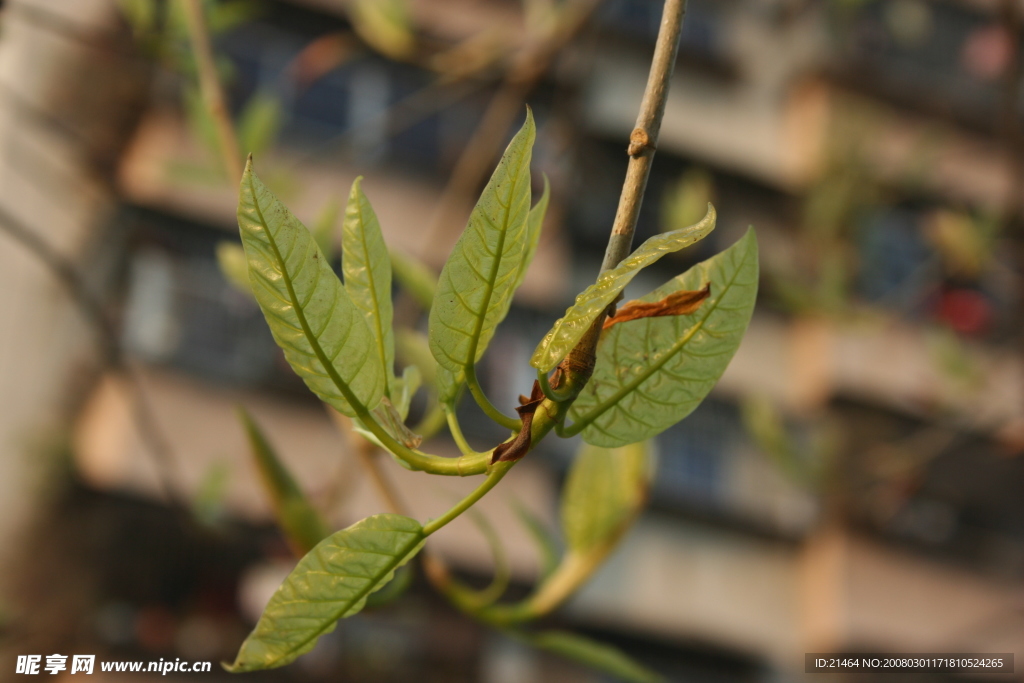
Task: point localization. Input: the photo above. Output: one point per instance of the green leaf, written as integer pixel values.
(477, 282)
(544, 539)
(406, 387)
(259, 123)
(324, 336)
(578, 318)
(323, 228)
(233, 265)
(301, 523)
(450, 385)
(330, 583)
(606, 489)
(534, 223)
(653, 372)
(417, 279)
(367, 269)
(603, 657)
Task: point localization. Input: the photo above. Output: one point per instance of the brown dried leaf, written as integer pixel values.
(677, 303)
(520, 446)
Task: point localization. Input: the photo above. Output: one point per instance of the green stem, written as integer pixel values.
(467, 465)
(456, 429)
(551, 393)
(498, 472)
(485, 405)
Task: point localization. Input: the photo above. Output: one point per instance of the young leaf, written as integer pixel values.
(571, 327)
(300, 522)
(602, 657)
(405, 387)
(324, 336)
(392, 422)
(233, 266)
(330, 583)
(415, 278)
(477, 282)
(391, 416)
(534, 223)
(367, 269)
(606, 488)
(651, 373)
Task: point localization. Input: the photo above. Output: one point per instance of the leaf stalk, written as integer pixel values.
(485, 404)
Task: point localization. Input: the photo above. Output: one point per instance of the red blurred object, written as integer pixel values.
(965, 310)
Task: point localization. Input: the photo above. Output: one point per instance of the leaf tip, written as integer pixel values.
(711, 215)
(529, 125)
(547, 189)
(749, 239)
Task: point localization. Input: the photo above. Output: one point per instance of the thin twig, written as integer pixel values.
(210, 86)
(643, 142)
(644, 139)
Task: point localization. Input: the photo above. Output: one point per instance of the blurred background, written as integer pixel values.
(855, 482)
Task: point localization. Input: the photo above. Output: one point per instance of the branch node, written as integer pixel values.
(639, 142)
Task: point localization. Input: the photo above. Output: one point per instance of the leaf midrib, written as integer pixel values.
(381, 346)
(489, 288)
(307, 331)
(613, 400)
(418, 537)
